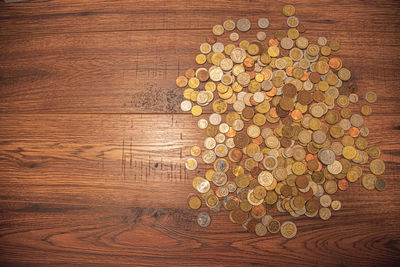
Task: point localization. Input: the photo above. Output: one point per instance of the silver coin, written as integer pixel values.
(203, 219)
(234, 36)
(203, 186)
(219, 178)
(218, 47)
(326, 156)
(243, 25)
(229, 25)
(263, 23)
(186, 105)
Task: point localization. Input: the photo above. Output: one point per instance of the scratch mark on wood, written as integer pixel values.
(130, 160)
(123, 158)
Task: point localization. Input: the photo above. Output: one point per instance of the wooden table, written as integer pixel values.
(92, 142)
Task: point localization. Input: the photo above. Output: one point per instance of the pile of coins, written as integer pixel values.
(286, 132)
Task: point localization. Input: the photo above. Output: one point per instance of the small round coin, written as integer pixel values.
(288, 229)
(203, 219)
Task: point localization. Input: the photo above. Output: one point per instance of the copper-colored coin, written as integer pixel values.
(304, 97)
(289, 90)
(190, 73)
(315, 77)
(343, 184)
(286, 103)
(301, 28)
(248, 113)
(302, 181)
(318, 96)
(181, 81)
(203, 75)
(211, 39)
(258, 211)
(239, 216)
(235, 155)
(281, 112)
(241, 140)
(380, 184)
(312, 205)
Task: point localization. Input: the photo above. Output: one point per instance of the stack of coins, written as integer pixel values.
(287, 129)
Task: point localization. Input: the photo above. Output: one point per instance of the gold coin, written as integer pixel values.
(209, 174)
(210, 86)
(299, 168)
(201, 59)
(377, 167)
(218, 30)
(220, 106)
(253, 131)
(366, 110)
(288, 10)
(374, 152)
(195, 151)
(196, 110)
(273, 51)
(194, 202)
(349, 152)
(242, 180)
(368, 181)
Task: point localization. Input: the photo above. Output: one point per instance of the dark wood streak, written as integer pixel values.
(92, 140)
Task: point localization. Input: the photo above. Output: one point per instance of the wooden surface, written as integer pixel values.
(92, 142)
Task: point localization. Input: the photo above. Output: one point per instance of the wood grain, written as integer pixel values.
(92, 142)
(124, 70)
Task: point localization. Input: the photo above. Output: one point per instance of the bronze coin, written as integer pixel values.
(312, 206)
(315, 77)
(190, 73)
(241, 140)
(203, 75)
(239, 216)
(302, 181)
(284, 52)
(287, 120)
(289, 90)
(211, 130)
(286, 190)
(236, 154)
(286, 103)
(211, 39)
(344, 90)
(251, 225)
(255, 172)
(248, 113)
(281, 113)
(318, 96)
(343, 184)
(301, 28)
(304, 97)
(286, 142)
(307, 195)
(317, 177)
(312, 165)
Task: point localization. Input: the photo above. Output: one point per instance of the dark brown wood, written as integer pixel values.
(90, 175)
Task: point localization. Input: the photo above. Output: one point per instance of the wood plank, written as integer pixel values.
(75, 234)
(80, 73)
(56, 213)
(38, 17)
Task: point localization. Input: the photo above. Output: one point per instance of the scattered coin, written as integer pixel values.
(191, 164)
(282, 132)
(203, 219)
(288, 229)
